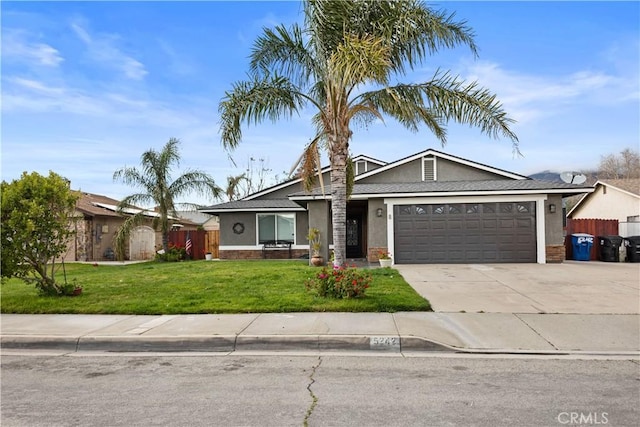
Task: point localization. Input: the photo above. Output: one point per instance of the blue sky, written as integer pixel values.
(88, 86)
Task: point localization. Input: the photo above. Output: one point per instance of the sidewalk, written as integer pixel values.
(386, 332)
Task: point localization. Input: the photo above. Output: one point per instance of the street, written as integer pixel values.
(284, 390)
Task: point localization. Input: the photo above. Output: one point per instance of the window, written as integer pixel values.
(428, 168)
(278, 227)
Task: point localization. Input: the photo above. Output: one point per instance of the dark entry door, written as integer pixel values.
(354, 236)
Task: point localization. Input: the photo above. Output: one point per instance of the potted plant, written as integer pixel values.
(384, 258)
(314, 243)
(208, 256)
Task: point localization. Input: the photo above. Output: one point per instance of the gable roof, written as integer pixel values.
(451, 188)
(293, 181)
(631, 186)
(628, 186)
(435, 153)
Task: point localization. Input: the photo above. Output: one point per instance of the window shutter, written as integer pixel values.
(429, 169)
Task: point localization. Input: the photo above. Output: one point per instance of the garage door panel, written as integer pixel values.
(465, 233)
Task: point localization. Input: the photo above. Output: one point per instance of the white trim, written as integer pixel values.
(431, 152)
(369, 159)
(253, 247)
(541, 250)
(266, 210)
(452, 193)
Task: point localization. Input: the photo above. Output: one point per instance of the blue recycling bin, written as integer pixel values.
(581, 243)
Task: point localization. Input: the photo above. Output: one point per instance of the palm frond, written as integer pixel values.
(283, 51)
(271, 97)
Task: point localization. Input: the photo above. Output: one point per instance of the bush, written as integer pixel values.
(175, 253)
(339, 282)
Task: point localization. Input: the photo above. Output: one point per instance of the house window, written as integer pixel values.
(428, 168)
(361, 167)
(276, 227)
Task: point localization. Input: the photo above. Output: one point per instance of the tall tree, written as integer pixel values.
(37, 215)
(344, 49)
(625, 165)
(159, 190)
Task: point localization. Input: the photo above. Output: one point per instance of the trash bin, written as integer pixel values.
(609, 248)
(632, 244)
(581, 243)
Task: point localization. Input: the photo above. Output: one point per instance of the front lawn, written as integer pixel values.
(205, 287)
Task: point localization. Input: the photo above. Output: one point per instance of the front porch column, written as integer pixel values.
(319, 217)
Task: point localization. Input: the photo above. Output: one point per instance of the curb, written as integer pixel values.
(224, 343)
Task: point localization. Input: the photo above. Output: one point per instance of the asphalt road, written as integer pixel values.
(283, 390)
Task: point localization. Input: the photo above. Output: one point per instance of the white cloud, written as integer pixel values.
(102, 48)
(531, 97)
(17, 46)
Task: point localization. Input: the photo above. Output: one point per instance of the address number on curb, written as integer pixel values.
(384, 343)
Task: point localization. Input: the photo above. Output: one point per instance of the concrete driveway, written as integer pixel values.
(571, 287)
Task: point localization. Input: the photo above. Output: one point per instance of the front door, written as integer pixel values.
(354, 236)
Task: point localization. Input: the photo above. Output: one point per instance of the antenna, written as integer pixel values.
(573, 177)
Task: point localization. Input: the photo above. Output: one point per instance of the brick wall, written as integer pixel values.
(257, 254)
(372, 253)
(555, 253)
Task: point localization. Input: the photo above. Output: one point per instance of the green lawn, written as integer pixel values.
(205, 287)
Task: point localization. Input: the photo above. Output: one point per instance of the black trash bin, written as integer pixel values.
(632, 244)
(609, 248)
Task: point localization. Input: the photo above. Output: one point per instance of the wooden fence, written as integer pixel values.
(202, 242)
(595, 227)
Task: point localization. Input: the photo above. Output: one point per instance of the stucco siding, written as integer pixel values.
(409, 172)
(451, 171)
(229, 238)
(613, 205)
(553, 221)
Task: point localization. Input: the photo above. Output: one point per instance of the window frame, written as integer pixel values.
(275, 215)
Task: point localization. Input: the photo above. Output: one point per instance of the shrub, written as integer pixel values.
(339, 282)
(175, 253)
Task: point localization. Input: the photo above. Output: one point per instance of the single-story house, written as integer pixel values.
(617, 199)
(430, 207)
(97, 224)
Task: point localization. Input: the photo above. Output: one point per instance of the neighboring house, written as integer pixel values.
(612, 199)
(207, 222)
(96, 228)
(430, 207)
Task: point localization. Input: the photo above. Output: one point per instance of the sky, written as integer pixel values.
(87, 87)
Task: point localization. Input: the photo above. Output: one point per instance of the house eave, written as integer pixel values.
(219, 211)
(446, 194)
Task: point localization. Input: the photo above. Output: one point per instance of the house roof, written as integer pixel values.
(94, 205)
(629, 186)
(451, 188)
(432, 152)
(293, 181)
(270, 205)
(97, 205)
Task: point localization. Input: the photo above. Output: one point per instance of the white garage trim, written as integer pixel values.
(540, 214)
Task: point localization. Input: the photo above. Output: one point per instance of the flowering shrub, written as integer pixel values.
(339, 282)
(384, 255)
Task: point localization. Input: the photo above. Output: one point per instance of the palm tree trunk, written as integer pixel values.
(339, 158)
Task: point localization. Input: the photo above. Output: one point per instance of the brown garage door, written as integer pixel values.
(465, 233)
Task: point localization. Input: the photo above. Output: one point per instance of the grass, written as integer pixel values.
(205, 287)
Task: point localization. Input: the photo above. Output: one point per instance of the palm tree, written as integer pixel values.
(156, 188)
(344, 48)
